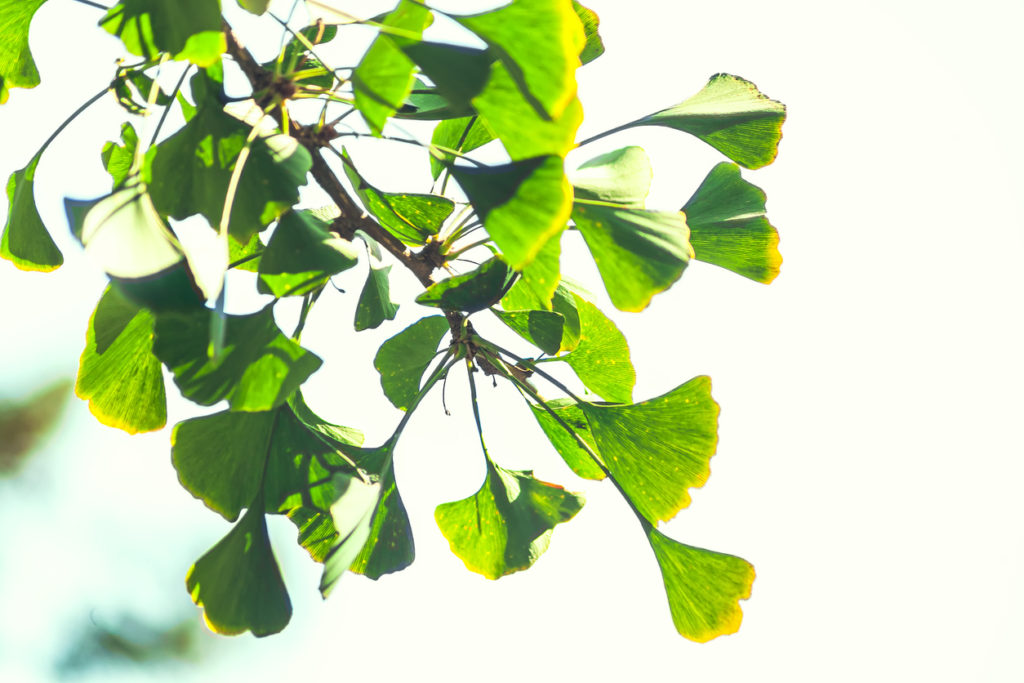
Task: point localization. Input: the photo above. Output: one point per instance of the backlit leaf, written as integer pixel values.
(302, 255)
(375, 304)
(658, 449)
(352, 511)
(622, 177)
(259, 367)
(523, 296)
(238, 583)
(26, 242)
(117, 159)
(506, 525)
(118, 373)
(703, 587)
(402, 359)
(462, 135)
(254, 6)
(389, 547)
(594, 46)
(639, 253)
(601, 357)
(458, 73)
(731, 115)
(543, 329)
(17, 68)
(577, 458)
(523, 204)
(472, 291)
(253, 248)
(187, 29)
(729, 228)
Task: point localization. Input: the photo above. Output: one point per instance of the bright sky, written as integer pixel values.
(869, 459)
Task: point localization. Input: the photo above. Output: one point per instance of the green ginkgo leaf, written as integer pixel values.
(302, 255)
(238, 583)
(25, 241)
(354, 504)
(524, 296)
(594, 46)
(458, 74)
(523, 204)
(474, 291)
(117, 159)
(187, 29)
(538, 281)
(258, 369)
(575, 456)
(703, 587)
(254, 6)
(389, 547)
(731, 115)
(622, 176)
(658, 449)
(543, 329)
(729, 228)
(118, 373)
(246, 256)
(375, 304)
(17, 68)
(402, 359)
(506, 525)
(538, 42)
(601, 356)
(638, 253)
(384, 77)
(461, 135)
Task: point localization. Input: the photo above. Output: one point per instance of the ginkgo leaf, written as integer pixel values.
(535, 288)
(375, 304)
(246, 256)
(703, 587)
(25, 241)
(473, 291)
(458, 74)
(352, 511)
(461, 135)
(538, 42)
(302, 255)
(731, 115)
(729, 228)
(601, 356)
(384, 77)
(402, 359)
(622, 176)
(389, 547)
(575, 456)
(523, 296)
(506, 525)
(17, 68)
(117, 159)
(523, 204)
(118, 373)
(658, 449)
(254, 6)
(238, 583)
(639, 253)
(187, 29)
(543, 329)
(259, 367)
(594, 46)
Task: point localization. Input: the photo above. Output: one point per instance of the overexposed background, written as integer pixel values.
(869, 462)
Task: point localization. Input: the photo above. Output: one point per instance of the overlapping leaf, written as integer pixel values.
(259, 367)
(658, 449)
(390, 546)
(25, 241)
(118, 373)
(17, 68)
(731, 115)
(729, 228)
(402, 359)
(575, 456)
(187, 29)
(473, 291)
(117, 159)
(524, 296)
(302, 255)
(507, 524)
(543, 329)
(460, 135)
(601, 356)
(375, 304)
(622, 176)
(594, 46)
(703, 587)
(458, 73)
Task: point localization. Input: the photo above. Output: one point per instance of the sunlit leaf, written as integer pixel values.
(384, 77)
(117, 159)
(426, 103)
(26, 242)
(506, 525)
(389, 547)
(302, 255)
(190, 171)
(703, 587)
(375, 304)
(729, 228)
(594, 46)
(523, 296)
(538, 42)
(402, 359)
(254, 6)
(187, 29)
(352, 511)
(601, 357)
(259, 367)
(543, 329)
(523, 204)
(576, 457)
(238, 583)
(17, 68)
(299, 62)
(622, 176)
(731, 115)
(458, 73)
(473, 291)
(251, 250)
(658, 449)
(118, 373)
(461, 135)
(639, 253)
(412, 218)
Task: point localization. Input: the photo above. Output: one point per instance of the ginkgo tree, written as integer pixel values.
(505, 113)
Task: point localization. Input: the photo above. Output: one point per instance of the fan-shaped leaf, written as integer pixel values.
(594, 46)
(474, 291)
(17, 68)
(187, 29)
(26, 242)
(375, 304)
(302, 255)
(402, 359)
(543, 329)
(462, 135)
(622, 177)
(389, 547)
(601, 357)
(577, 458)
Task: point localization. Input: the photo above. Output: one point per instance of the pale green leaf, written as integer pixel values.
(375, 304)
(622, 176)
(17, 68)
(576, 457)
(601, 356)
(187, 29)
(461, 135)
(117, 159)
(402, 359)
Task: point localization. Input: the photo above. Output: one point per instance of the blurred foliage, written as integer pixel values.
(24, 424)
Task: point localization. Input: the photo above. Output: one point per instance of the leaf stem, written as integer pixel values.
(88, 103)
(480, 341)
(167, 109)
(93, 4)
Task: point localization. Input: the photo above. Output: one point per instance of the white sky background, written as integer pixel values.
(869, 459)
